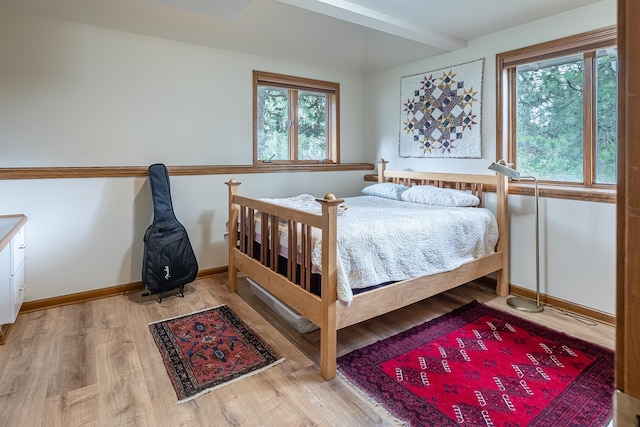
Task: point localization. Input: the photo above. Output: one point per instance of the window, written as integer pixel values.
(295, 119)
(558, 103)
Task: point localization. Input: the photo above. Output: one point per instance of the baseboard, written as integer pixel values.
(79, 297)
(565, 305)
(43, 304)
(555, 302)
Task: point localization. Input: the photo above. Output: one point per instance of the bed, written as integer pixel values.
(309, 274)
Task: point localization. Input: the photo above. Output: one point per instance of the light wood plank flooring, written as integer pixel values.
(95, 363)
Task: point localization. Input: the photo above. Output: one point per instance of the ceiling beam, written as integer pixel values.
(224, 9)
(370, 18)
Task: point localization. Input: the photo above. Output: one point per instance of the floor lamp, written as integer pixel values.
(517, 302)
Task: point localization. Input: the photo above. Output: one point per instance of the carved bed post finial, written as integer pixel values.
(382, 164)
(232, 181)
(233, 189)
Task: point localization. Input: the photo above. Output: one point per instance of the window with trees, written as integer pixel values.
(295, 119)
(557, 102)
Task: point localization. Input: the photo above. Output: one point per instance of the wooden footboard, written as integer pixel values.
(251, 218)
(294, 288)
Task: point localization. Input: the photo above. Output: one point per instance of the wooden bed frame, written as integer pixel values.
(326, 312)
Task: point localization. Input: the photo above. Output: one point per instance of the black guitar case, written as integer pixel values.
(168, 262)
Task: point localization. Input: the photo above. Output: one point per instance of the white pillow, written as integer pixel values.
(435, 196)
(388, 190)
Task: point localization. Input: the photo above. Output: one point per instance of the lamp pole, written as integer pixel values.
(523, 303)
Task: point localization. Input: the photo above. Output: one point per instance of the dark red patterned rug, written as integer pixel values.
(478, 366)
(206, 350)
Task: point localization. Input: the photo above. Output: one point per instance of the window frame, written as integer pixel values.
(291, 83)
(506, 63)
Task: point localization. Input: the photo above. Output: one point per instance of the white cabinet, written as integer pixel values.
(12, 266)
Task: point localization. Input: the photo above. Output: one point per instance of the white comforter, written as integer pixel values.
(382, 240)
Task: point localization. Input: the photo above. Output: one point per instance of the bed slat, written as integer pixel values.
(251, 231)
(307, 258)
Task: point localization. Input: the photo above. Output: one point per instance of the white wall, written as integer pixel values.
(78, 95)
(577, 238)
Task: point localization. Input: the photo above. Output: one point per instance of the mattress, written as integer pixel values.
(382, 240)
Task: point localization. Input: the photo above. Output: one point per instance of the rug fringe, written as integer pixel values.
(219, 386)
(372, 400)
(183, 315)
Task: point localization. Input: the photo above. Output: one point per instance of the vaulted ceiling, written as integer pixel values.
(354, 35)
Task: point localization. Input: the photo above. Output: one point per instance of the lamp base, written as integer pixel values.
(524, 305)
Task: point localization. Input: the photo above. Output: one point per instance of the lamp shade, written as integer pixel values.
(504, 170)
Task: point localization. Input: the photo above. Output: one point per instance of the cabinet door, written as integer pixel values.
(18, 288)
(18, 250)
(6, 291)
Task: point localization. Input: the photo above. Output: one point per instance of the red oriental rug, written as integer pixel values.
(478, 366)
(209, 349)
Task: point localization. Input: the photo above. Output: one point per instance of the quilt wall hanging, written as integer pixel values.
(440, 112)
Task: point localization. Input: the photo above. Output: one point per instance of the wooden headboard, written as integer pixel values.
(473, 183)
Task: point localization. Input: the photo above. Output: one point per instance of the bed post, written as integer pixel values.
(328, 286)
(502, 213)
(232, 228)
(382, 164)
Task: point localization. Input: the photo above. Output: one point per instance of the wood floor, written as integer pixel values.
(95, 363)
